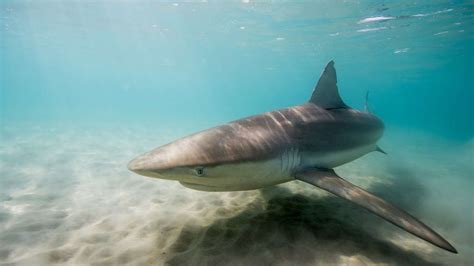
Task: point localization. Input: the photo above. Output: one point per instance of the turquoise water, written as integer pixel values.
(87, 85)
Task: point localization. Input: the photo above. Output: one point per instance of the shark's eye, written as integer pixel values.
(199, 171)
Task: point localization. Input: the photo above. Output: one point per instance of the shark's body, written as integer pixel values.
(304, 142)
(268, 149)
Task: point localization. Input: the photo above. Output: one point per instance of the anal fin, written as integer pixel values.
(328, 180)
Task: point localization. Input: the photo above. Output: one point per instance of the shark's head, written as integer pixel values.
(157, 163)
(207, 157)
(181, 160)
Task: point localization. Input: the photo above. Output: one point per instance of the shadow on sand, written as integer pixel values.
(295, 229)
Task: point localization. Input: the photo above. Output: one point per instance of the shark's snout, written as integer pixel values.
(155, 163)
(138, 165)
(134, 165)
(144, 165)
(158, 164)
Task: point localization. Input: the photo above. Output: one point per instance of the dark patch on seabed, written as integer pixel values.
(296, 229)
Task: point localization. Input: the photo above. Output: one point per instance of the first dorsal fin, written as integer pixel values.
(326, 94)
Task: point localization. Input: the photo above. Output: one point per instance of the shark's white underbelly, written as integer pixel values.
(243, 176)
(336, 158)
(280, 169)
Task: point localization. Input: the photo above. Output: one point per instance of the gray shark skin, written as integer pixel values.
(303, 142)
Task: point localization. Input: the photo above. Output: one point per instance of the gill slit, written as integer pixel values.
(289, 160)
(292, 157)
(296, 160)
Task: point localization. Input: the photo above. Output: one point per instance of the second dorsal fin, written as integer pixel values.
(326, 94)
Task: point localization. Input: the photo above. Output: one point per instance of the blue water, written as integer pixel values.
(87, 85)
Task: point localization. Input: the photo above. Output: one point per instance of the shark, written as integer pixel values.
(304, 142)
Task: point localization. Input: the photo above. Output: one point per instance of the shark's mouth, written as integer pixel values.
(201, 187)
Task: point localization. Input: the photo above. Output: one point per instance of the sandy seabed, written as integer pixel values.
(67, 197)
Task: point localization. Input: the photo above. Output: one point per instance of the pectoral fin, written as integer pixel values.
(328, 180)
